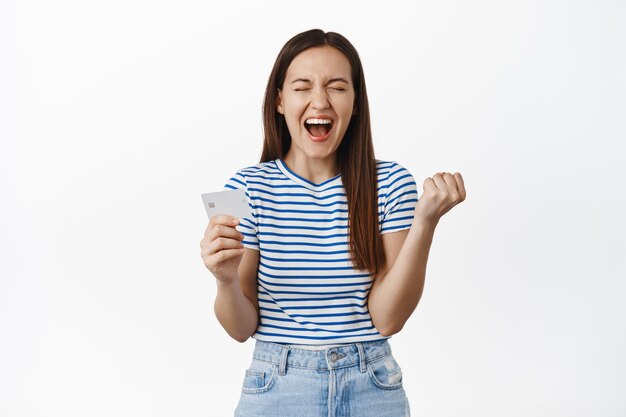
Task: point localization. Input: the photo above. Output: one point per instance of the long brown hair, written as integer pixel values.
(355, 155)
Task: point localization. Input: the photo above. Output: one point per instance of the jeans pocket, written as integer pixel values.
(259, 377)
(385, 373)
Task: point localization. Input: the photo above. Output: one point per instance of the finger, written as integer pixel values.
(460, 185)
(220, 219)
(439, 182)
(222, 243)
(429, 185)
(224, 219)
(214, 261)
(452, 188)
(449, 180)
(227, 254)
(221, 230)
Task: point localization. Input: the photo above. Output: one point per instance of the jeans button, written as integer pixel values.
(334, 357)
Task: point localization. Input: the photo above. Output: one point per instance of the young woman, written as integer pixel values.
(333, 260)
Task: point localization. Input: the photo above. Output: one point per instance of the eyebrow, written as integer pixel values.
(329, 81)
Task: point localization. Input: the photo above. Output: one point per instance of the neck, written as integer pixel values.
(316, 170)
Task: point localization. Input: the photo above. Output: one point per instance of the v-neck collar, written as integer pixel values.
(303, 181)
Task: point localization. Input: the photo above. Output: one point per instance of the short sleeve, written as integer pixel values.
(400, 201)
(247, 225)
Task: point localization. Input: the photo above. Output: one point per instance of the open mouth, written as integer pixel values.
(318, 127)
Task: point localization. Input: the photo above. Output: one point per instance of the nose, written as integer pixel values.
(319, 98)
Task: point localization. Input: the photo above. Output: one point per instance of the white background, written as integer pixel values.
(115, 116)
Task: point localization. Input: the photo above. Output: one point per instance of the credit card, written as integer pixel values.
(231, 202)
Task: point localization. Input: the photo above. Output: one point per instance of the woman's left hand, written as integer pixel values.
(441, 192)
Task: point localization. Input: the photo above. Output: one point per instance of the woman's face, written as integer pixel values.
(317, 100)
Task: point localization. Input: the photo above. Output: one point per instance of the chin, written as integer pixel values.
(321, 153)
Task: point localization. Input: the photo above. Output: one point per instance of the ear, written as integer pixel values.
(279, 103)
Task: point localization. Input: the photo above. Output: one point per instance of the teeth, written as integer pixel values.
(318, 121)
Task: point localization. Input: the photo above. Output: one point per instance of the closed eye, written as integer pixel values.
(331, 88)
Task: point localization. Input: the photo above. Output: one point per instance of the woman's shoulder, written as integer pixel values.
(258, 170)
(268, 166)
(386, 169)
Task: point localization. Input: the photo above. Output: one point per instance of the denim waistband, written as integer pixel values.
(287, 356)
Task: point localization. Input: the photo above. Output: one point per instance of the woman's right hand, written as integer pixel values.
(221, 247)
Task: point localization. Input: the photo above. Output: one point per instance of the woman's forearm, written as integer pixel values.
(397, 294)
(235, 311)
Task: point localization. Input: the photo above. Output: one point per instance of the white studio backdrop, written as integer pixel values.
(115, 116)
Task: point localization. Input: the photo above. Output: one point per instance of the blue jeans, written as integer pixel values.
(357, 380)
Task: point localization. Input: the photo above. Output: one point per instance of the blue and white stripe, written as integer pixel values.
(308, 291)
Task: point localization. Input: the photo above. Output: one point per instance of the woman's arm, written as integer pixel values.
(236, 306)
(398, 287)
(396, 292)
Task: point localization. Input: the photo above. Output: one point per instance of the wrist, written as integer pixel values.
(425, 222)
(228, 284)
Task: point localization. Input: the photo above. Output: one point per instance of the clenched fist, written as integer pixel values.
(441, 192)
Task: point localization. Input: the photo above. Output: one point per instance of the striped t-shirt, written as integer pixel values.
(308, 290)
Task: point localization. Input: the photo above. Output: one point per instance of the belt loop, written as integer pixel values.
(361, 357)
(283, 361)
